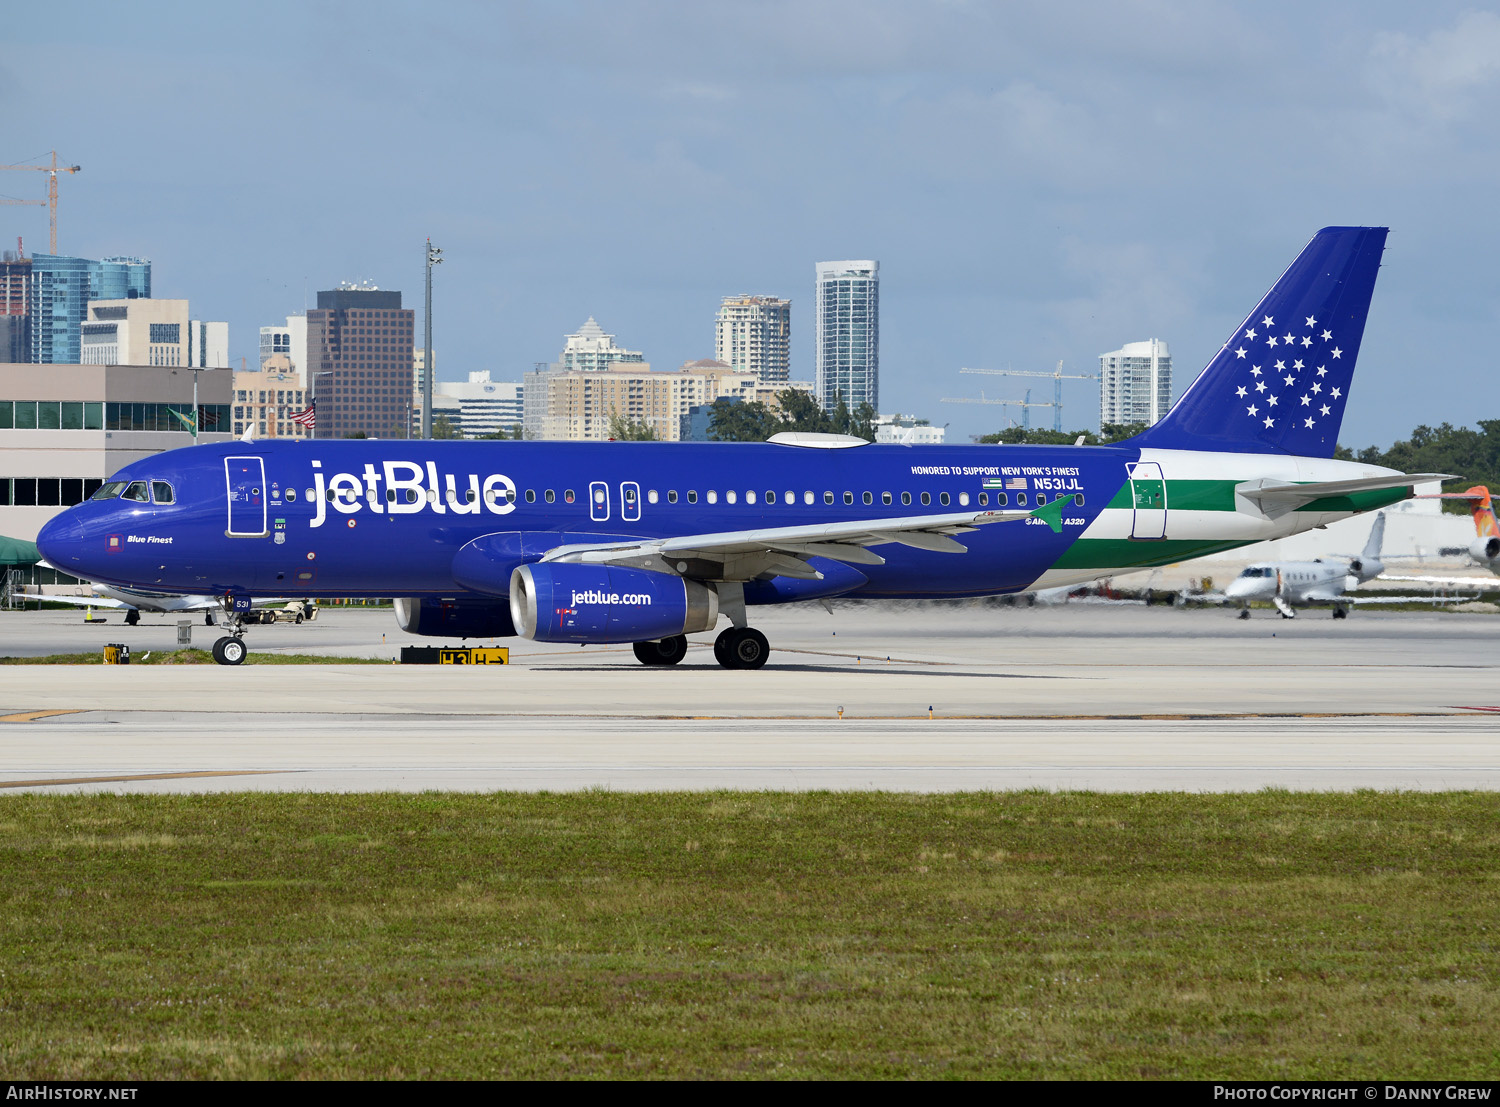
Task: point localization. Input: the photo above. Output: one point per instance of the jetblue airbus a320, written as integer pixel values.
(647, 543)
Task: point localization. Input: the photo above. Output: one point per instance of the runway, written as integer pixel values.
(972, 697)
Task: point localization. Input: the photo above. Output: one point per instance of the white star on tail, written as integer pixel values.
(1305, 341)
(1327, 335)
(1260, 386)
(1311, 322)
(1254, 369)
(1288, 340)
(1337, 352)
(1322, 369)
(1240, 392)
(1269, 421)
(1322, 411)
(1288, 380)
(1270, 401)
(1250, 333)
(1267, 321)
(1316, 386)
(1240, 352)
(1306, 399)
(1295, 365)
(1336, 393)
(1308, 421)
(1271, 341)
(1251, 410)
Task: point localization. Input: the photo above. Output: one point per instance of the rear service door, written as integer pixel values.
(1148, 495)
(599, 501)
(630, 501)
(246, 481)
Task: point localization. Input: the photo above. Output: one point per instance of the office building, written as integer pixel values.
(267, 399)
(15, 282)
(1135, 383)
(287, 341)
(485, 406)
(752, 334)
(847, 333)
(359, 350)
(64, 429)
(58, 293)
(151, 332)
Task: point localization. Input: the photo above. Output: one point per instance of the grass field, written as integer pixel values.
(1271, 935)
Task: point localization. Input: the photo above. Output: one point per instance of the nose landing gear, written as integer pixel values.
(231, 649)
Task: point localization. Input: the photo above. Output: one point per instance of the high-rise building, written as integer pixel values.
(590, 350)
(58, 295)
(359, 349)
(752, 334)
(15, 283)
(288, 341)
(151, 332)
(1135, 383)
(208, 345)
(848, 333)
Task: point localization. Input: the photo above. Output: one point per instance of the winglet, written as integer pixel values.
(1051, 513)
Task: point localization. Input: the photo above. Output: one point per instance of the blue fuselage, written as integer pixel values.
(361, 518)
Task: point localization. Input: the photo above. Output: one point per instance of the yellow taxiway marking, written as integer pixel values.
(138, 776)
(33, 716)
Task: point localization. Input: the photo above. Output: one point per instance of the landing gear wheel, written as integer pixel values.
(208, 616)
(230, 650)
(1340, 612)
(1244, 613)
(132, 617)
(299, 614)
(742, 648)
(668, 651)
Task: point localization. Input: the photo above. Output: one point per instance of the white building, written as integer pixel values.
(289, 341)
(1135, 383)
(752, 334)
(847, 333)
(590, 350)
(151, 332)
(903, 430)
(485, 406)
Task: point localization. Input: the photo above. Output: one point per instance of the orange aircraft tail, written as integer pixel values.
(1483, 509)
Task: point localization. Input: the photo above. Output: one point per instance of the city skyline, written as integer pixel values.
(982, 140)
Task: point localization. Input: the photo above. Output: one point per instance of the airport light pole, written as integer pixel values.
(434, 257)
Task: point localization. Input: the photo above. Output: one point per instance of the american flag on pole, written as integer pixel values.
(308, 418)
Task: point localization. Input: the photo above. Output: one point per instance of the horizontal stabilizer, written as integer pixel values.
(1276, 497)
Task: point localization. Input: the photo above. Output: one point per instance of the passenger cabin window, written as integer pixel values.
(943, 499)
(109, 491)
(848, 497)
(984, 499)
(731, 496)
(692, 496)
(1002, 498)
(750, 497)
(926, 498)
(531, 495)
(1020, 499)
(551, 496)
(885, 498)
(828, 497)
(906, 498)
(963, 499)
(161, 492)
(869, 497)
(672, 496)
(713, 497)
(790, 497)
(137, 491)
(650, 497)
(807, 497)
(568, 495)
(291, 493)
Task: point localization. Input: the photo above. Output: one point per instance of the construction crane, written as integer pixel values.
(1057, 376)
(1025, 405)
(52, 171)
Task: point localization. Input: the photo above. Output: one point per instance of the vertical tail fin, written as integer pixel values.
(1484, 513)
(1377, 536)
(1281, 381)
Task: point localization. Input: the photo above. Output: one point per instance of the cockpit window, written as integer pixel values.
(137, 491)
(161, 492)
(1254, 571)
(108, 491)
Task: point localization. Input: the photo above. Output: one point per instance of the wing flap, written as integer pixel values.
(1286, 495)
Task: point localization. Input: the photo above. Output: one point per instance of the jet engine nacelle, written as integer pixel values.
(567, 602)
(454, 618)
(1484, 549)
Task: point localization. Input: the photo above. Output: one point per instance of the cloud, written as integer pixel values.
(1446, 73)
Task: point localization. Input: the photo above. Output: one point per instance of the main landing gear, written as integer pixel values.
(1340, 611)
(741, 648)
(132, 617)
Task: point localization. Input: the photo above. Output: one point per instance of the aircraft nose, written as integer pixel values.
(61, 540)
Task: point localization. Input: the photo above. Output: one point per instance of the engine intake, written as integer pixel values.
(1485, 549)
(565, 602)
(454, 618)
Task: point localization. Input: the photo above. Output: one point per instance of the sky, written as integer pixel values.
(1039, 181)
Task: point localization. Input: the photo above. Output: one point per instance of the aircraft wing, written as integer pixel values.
(1411, 599)
(783, 551)
(1277, 497)
(80, 601)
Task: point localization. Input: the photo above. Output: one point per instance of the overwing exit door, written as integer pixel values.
(630, 501)
(599, 501)
(1148, 497)
(245, 479)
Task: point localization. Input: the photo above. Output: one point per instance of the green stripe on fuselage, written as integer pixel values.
(1218, 495)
